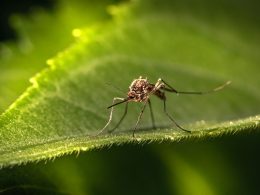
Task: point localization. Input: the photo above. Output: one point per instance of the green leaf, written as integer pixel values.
(67, 101)
(21, 60)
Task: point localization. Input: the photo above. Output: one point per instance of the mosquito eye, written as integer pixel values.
(131, 95)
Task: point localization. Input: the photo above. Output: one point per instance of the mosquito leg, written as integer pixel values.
(164, 106)
(110, 116)
(139, 118)
(151, 112)
(171, 88)
(122, 118)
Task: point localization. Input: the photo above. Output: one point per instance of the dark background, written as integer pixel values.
(9, 7)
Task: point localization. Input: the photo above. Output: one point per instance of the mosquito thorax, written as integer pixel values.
(139, 90)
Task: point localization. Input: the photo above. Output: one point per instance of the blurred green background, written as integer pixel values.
(224, 165)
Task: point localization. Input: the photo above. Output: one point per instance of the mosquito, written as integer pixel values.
(140, 90)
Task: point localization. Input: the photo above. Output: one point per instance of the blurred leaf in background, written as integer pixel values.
(191, 43)
(40, 36)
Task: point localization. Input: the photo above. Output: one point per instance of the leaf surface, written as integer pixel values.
(41, 35)
(66, 103)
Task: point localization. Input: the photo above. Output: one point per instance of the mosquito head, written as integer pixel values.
(139, 90)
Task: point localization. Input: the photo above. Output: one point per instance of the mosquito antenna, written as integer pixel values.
(125, 100)
(115, 87)
(171, 89)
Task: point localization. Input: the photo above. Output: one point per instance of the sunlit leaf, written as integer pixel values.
(66, 103)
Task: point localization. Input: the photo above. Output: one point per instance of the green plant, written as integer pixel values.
(66, 102)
